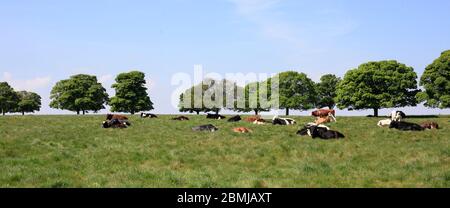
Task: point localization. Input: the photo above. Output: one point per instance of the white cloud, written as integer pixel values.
(29, 84)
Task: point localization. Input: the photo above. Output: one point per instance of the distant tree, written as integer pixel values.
(297, 91)
(377, 85)
(190, 94)
(326, 91)
(28, 102)
(436, 81)
(253, 102)
(80, 93)
(131, 93)
(8, 98)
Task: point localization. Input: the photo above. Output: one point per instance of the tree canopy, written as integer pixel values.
(8, 98)
(80, 93)
(297, 91)
(377, 85)
(326, 91)
(131, 93)
(28, 102)
(436, 82)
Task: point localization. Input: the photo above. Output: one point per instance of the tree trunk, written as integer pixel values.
(287, 111)
(78, 112)
(3, 112)
(198, 112)
(256, 112)
(23, 113)
(375, 112)
(132, 112)
(84, 112)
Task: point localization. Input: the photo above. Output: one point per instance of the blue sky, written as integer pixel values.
(42, 42)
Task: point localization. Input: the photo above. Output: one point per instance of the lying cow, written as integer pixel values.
(116, 123)
(208, 127)
(235, 119)
(242, 130)
(405, 126)
(323, 120)
(429, 125)
(148, 115)
(181, 118)
(283, 121)
(260, 121)
(252, 119)
(215, 116)
(115, 116)
(397, 115)
(304, 131)
(320, 132)
(384, 123)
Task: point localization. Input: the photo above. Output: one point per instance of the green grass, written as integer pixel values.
(74, 151)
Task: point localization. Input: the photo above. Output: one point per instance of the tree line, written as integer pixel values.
(373, 85)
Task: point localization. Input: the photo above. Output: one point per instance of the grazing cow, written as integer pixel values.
(148, 115)
(429, 125)
(397, 115)
(235, 119)
(323, 113)
(181, 118)
(215, 116)
(405, 126)
(283, 121)
(242, 130)
(116, 123)
(208, 127)
(385, 122)
(252, 119)
(320, 132)
(259, 121)
(115, 116)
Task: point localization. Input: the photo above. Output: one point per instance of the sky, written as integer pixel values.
(42, 42)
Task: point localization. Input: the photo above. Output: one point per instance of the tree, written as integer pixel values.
(80, 93)
(28, 102)
(131, 93)
(436, 82)
(326, 91)
(8, 98)
(297, 91)
(377, 85)
(252, 98)
(191, 106)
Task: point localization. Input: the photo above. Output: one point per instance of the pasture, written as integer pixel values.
(74, 151)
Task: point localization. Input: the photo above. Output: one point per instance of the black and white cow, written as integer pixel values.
(397, 115)
(116, 123)
(235, 119)
(215, 116)
(148, 115)
(208, 127)
(283, 121)
(321, 132)
(405, 126)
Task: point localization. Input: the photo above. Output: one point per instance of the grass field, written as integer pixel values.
(74, 151)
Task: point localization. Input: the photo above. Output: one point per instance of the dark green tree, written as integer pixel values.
(436, 82)
(28, 102)
(326, 91)
(131, 93)
(80, 93)
(297, 91)
(377, 85)
(8, 98)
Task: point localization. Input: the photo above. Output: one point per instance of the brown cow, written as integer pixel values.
(323, 120)
(181, 118)
(429, 125)
(115, 116)
(242, 130)
(323, 113)
(252, 118)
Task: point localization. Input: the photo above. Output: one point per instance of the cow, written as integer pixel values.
(252, 119)
(323, 113)
(115, 116)
(235, 119)
(181, 118)
(242, 130)
(215, 116)
(320, 132)
(259, 121)
(322, 120)
(148, 115)
(397, 115)
(116, 123)
(405, 126)
(283, 121)
(385, 122)
(429, 125)
(208, 127)
(304, 131)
